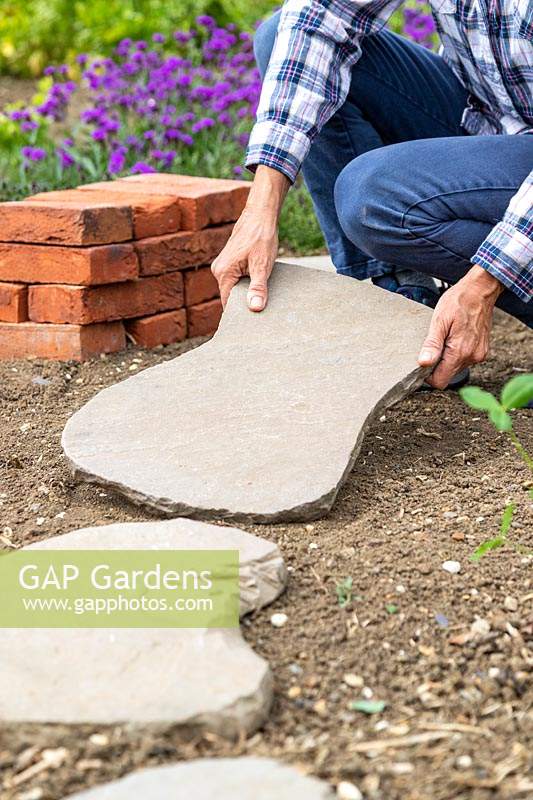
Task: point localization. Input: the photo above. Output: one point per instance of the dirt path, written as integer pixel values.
(430, 485)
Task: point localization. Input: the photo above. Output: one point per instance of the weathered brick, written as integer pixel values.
(13, 302)
(83, 266)
(39, 221)
(203, 319)
(203, 201)
(152, 215)
(166, 328)
(84, 305)
(60, 342)
(161, 254)
(200, 285)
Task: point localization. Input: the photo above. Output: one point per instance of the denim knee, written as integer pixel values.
(264, 39)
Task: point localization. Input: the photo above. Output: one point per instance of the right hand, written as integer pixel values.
(253, 245)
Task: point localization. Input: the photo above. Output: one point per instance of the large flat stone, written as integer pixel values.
(262, 571)
(190, 678)
(244, 778)
(264, 422)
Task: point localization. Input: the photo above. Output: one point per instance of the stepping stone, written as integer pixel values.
(264, 422)
(244, 778)
(195, 678)
(262, 571)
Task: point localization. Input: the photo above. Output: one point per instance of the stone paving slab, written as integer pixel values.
(244, 778)
(262, 571)
(198, 679)
(264, 422)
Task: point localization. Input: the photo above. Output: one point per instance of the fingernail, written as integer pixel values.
(256, 302)
(425, 355)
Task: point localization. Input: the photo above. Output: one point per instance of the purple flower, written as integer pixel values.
(117, 160)
(28, 126)
(205, 21)
(65, 159)
(141, 167)
(34, 153)
(159, 38)
(203, 124)
(49, 71)
(238, 171)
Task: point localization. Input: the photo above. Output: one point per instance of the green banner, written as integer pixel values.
(119, 589)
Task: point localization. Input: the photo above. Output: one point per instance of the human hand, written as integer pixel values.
(253, 245)
(460, 329)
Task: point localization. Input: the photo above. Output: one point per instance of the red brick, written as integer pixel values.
(60, 342)
(152, 215)
(42, 222)
(199, 285)
(13, 302)
(166, 328)
(203, 319)
(181, 250)
(85, 266)
(203, 201)
(83, 305)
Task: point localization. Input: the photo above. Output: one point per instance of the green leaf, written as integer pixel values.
(478, 398)
(507, 518)
(517, 392)
(486, 547)
(368, 706)
(390, 608)
(501, 419)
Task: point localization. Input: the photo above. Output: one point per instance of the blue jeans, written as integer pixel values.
(394, 178)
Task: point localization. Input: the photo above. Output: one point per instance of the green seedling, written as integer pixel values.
(390, 608)
(516, 393)
(344, 591)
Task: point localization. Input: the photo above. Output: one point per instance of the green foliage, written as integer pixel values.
(298, 228)
(36, 33)
(516, 393)
(498, 541)
(344, 591)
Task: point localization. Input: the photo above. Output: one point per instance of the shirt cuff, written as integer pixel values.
(507, 254)
(277, 146)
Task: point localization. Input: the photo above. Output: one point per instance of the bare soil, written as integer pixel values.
(429, 486)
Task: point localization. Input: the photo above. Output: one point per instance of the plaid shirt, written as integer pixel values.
(487, 43)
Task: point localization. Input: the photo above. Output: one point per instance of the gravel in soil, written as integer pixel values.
(449, 655)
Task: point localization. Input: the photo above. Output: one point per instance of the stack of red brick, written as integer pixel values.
(81, 270)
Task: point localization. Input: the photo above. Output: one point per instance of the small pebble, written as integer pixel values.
(510, 603)
(442, 620)
(402, 767)
(99, 739)
(294, 691)
(32, 794)
(278, 620)
(452, 566)
(348, 791)
(352, 680)
(313, 546)
(400, 589)
(464, 762)
(367, 693)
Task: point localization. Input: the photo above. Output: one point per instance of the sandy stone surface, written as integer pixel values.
(265, 421)
(221, 778)
(206, 680)
(262, 572)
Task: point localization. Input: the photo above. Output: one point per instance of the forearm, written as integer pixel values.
(268, 193)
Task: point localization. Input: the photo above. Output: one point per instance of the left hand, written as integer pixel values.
(460, 329)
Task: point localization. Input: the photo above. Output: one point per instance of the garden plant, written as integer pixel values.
(516, 393)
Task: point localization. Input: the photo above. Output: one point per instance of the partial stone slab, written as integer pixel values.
(264, 422)
(262, 571)
(314, 262)
(244, 778)
(199, 679)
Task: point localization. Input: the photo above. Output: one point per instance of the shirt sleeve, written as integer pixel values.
(507, 252)
(309, 75)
